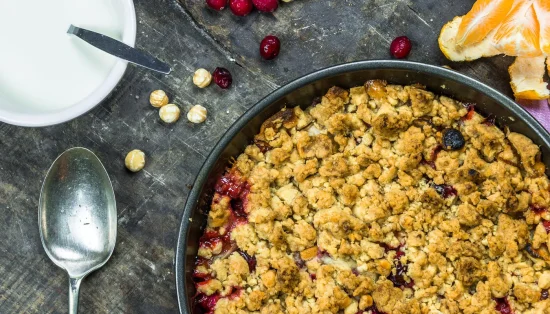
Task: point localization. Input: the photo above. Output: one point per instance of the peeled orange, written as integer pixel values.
(518, 28)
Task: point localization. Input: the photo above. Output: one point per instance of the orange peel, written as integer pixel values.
(518, 28)
(447, 44)
(527, 78)
(542, 8)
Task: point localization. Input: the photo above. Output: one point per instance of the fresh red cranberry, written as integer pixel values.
(546, 224)
(503, 306)
(266, 5)
(400, 47)
(222, 77)
(241, 7)
(217, 5)
(269, 47)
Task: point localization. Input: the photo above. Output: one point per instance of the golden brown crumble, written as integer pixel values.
(355, 204)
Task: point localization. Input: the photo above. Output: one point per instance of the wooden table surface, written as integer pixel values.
(139, 278)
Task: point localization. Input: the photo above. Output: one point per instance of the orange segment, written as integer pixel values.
(518, 35)
(542, 9)
(485, 16)
(447, 44)
(527, 76)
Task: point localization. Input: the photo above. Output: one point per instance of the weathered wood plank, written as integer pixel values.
(140, 277)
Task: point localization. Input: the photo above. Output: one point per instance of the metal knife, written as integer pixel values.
(120, 50)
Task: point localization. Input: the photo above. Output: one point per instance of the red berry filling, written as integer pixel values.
(270, 47)
(470, 113)
(251, 260)
(537, 209)
(231, 185)
(433, 157)
(546, 225)
(398, 279)
(206, 303)
(445, 190)
(263, 146)
(503, 306)
(400, 47)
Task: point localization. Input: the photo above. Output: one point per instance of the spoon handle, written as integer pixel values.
(74, 290)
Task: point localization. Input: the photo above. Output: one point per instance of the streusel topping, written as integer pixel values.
(379, 199)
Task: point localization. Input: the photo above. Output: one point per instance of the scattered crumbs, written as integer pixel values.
(512, 119)
(443, 86)
(190, 219)
(227, 111)
(137, 96)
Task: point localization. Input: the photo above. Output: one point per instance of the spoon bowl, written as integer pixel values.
(77, 216)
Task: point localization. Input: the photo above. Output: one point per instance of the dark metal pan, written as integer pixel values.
(301, 92)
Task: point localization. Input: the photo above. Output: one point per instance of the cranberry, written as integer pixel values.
(230, 185)
(263, 146)
(400, 47)
(470, 113)
(241, 7)
(269, 47)
(207, 303)
(222, 77)
(453, 139)
(537, 209)
(398, 278)
(503, 306)
(217, 5)
(445, 190)
(546, 224)
(266, 5)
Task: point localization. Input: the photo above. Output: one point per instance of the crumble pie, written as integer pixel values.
(379, 199)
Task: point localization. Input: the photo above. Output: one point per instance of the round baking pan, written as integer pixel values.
(301, 92)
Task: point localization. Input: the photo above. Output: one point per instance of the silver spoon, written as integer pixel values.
(77, 216)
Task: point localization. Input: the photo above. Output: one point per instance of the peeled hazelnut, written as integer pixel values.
(197, 114)
(202, 78)
(169, 113)
(135, 160)
(158, 98)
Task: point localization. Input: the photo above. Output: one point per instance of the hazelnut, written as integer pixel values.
(158, 98)
(135, 160)
(197, 114)
(202, 78)
(169, 113)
